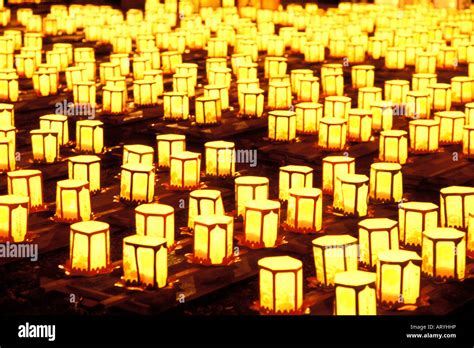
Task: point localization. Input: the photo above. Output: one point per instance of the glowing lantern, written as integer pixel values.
(27, 183)
(157, 77)
(32, 51)
(355, 293)
(308, 116)
(275, 46)
(308, 89)
(9, 85)
(176, 106)
(395, 58)
(444, 254)
(396, 90)
(332, 83)
(470, 236)
(137, 183)
(236, 60)
(185, 169)
(140, 65)
(184, 83)
(56, 123)
(447, 58)
(279, 95)
(468, 141)
(386, 182)
(220, 158)
(84, 53)
(45, 81)
(462, 89)
(351, 194)
(294, 177)
(359, 125)
(334, 166)
(411, 51)
(261, 223)
(337, 106)
(212, 63)
(468, 110)
(75, 74)
(393, 146)
(376, 235)
(367, 96)
(145, 92)
(84, 93)
(114, 100)
(440, 96)
(7, 115)
(451, 126)
(73, 202)
(152, 56)
(208, 110)
(417, 104)
(362, 76)
(7, 155)
(25, 64)
(167, 145)
(89, 65)
(304, 210)
(157, 220)
(332, 133)
(425, 62)
(398, 277)
(57, 59)
(188, 69)
(247, 71)
(313, 52)
(220, 76)
(282, 125)
(89, 136)
(420, 82)
(123, 60)
(249, 188)
(14, 218)
(217, 48)
(382, 115)
(121, 43)
(145, 261)
(457, 202)
(377, 47)
(170, 60)
(204, 202)
(213, 238)
(252, 102)
(65, 48)
(221, 92)
(107, 70)
(33, 40)
(332, 255)
(295, 77)
(15, 35)
(337, 47)
(355, 52)
(45, 145)
(414, 218)
(85, 168)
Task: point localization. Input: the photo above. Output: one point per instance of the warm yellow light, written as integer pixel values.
(157, 220)
(27, 183)
(424, 136)
(7, 115)
(45, 145)
(13, 218)
(425, 62)
(377, 47)
(305, 210)
(145, 261)
(395, 58)
(282, 125)
(355, 293)
(296, 75)
(382, 115)
(456, 203)
(9, 85)
(332, 83)
(332, 255)
(468, 110)
(332, 133)
(208, 110)
(308, 116)
(170, 60)
(462, 89)
(137, 183)
(176, 106)
(367, 96)
(451, 126)
(359, 125)
(414, 218)
(85, 168)
(107, 70)
(73, 202)
(145, 92)
(261, 223)
(417, 105)
(184, 82)
(444, 254)
(386, 182)
(121, 43)
(393, 146)
(89, 136)
(468, 141)
(440, 96)
(314, 52)
(398, 277)
(249, 188)
(213, 239)
(362, 76)
(167, 145)
(75, 74)
(157, 77)
(281, 285)
(337, 47)
(351, 194)
(220, 158)
(185, 169)
(58, 123)
(188, 69)
(123, 60)
(279, 95)
(447, 58)
(376, 235)
(84, 93)
(396, 90)
(420, 82)
(308, 89)
(337, 106)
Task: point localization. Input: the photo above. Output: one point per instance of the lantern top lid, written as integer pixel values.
(4, 106)
(418, 94)
(467, 105)
(263, 204)
(337, 98)
(360, 112)
(84, 83)
(353, 178)
(205, 193)
(280, 263)
(149, 49)
(210, 220)
(398, 256)
(427, 123)
(252, 90)
(220, 69)
(309, 78)
(386, 166)
(297, 169)
(90, 227)
(137, 167)
(72, 183)
(186, 155)
(7, 128)
(338, 159)
(370, 89)
(171, 53)
(219, 144)
(154, 209)
(457, 190)
(251, 180)
(75, 68)
(14, 199)
(354, 278)
(439, 85)
(62, 44)
(89, 123)
(334, 240)
(85, 159)
(279, 83)
(113, 88)
(23, 172)
(54, 117)
(83, 49)
(144, 241)
(450, 114)
(44, 132)
(217, 86)
(277, 59)
(462, 79)
(175, 94)
(393, 133)
(138, 148)
(420, 206)
(151, 72)
(397, 82)
(206, 99)
(282, 113)
(378, 223)
(332, 65)
(310, 192)
(425, 75)
(443, 233)
(363, 67)
(109, 64)
(187, 65)
(333, 120)
(115, 55)
(382, 103)
(182, 75)
(170, 137)
(309, 105)
(302, 71)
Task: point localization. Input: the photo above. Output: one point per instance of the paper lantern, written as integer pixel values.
(73, 202)
(279, 95)
(355, 52)
(293, 176)
(7, 155)
(351, 195)
(75, 74)
(337, 106)
(275, 46)
(56, 123)
(470, 236)
(89, 136)
(425, 62)
(245, 85)
(451, 126)
(27, 183)
(386, 182)
(212, 63)
(167, 145)
(249, 188)
(417, 104)
(468, 141)
(170, 60)
(33, 40)
(65, 48)
(456, 203)
(84, 93)
(295, 77)
(382, 115)
(83, 53)
(398, 277)
(145, 92)
(393, 146)
(377, 47)
(252, 103)
(14, 218)
(45, 81)
(139, 66)
(333, 84)
(45, 145)
(359, 125)
(185, 169)
(308, 116)
(85, 168)
(334, 166)
(220, 158)
(355, 293)
(414, 218)
(107, 70)
(152, 55)
(114, 100)
(137, 183)
(217, 48)
(25, 64)
(332, 133)
(188, 69)
(236, 60)
(156, 220)
(208, 110)
(282, 125)
(396, 90)
(32, 51)
(15, 35)
(184, 83)
(123, 60)
(261, 223)
(376, 235)
(314, 52)
(444, 254)
(447, 58)
(440, 96)
(220, 76)
(462, 89)
(121, 43)
(337, 47)
(204, 202)
(305, 210)
(145, 261)
(247, 71)
(157, 77)
(420, 82)
(334, 254)
(411, 51)
(468, 111)
(362, 76)
(7, 115)
(89, 65)
(308, 89)
(8, 85)
(424, 136)
(395, 58)
(176, 106)
(367, 96)
(57, 59)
